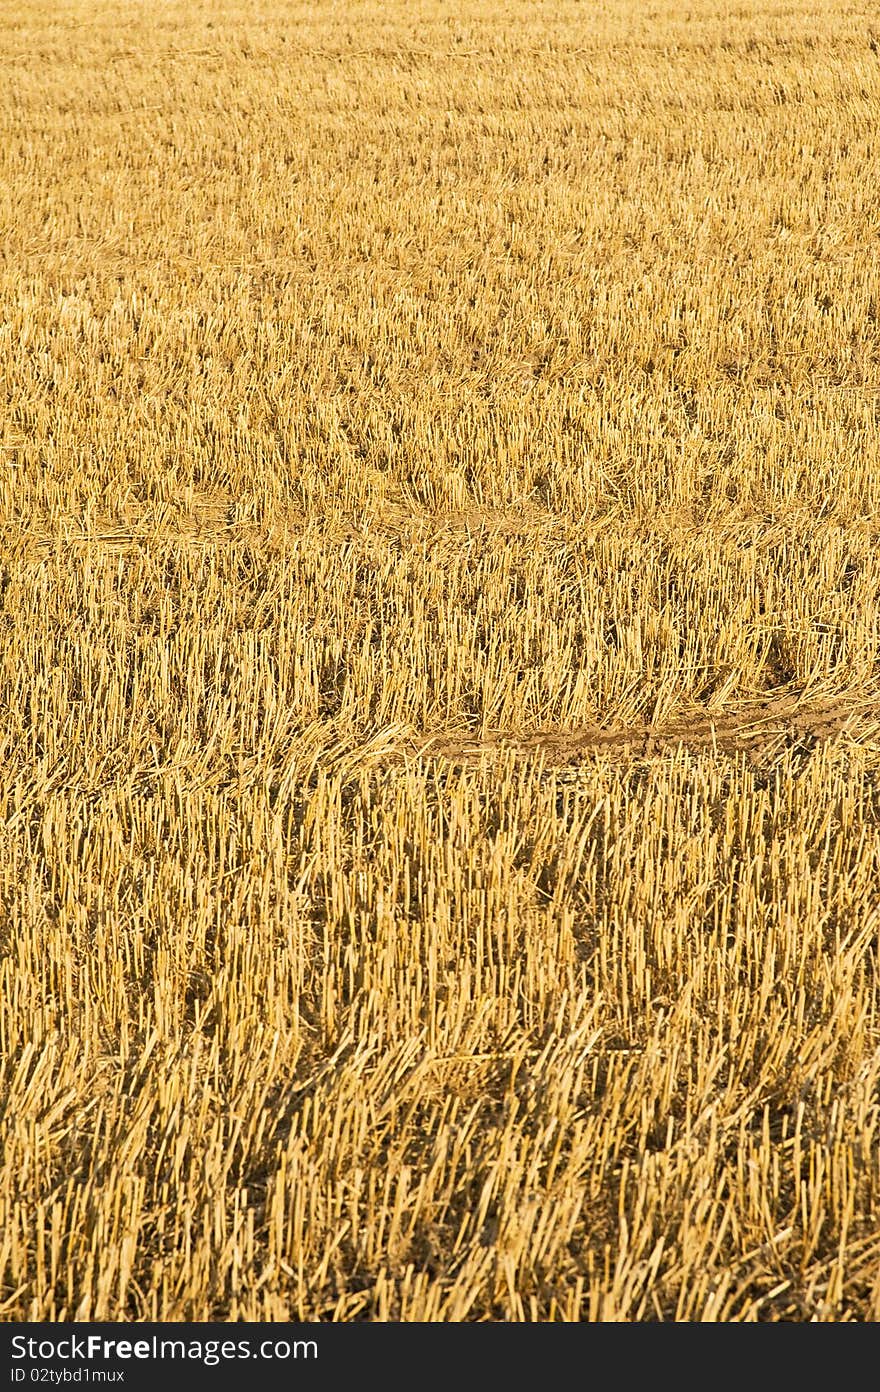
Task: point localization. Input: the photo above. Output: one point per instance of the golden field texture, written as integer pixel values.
(440, 660)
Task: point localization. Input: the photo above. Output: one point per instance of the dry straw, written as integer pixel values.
(440, 777)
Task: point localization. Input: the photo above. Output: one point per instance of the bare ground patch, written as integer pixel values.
(760, 727)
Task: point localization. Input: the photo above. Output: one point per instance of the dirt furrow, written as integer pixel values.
(757, 727)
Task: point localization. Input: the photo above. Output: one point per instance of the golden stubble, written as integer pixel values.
(439, 707)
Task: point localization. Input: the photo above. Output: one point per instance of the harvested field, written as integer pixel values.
(440, 661)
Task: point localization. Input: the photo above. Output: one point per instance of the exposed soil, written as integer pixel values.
(760, 728)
